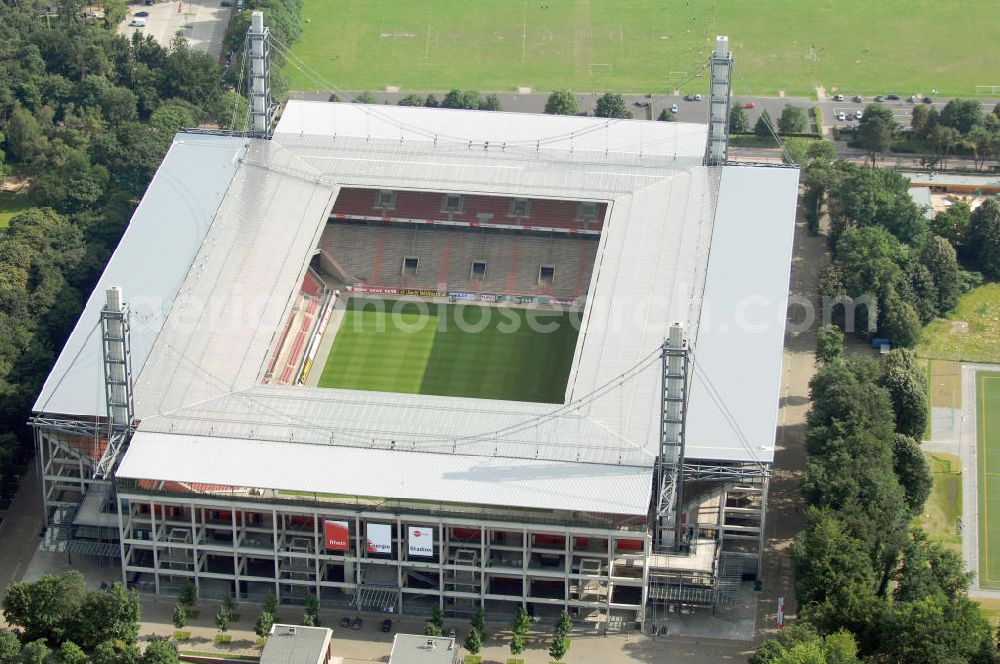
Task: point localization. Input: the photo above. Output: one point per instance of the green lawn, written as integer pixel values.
(647, 46)
(944, 339)
(944, 506)
(988, 433)
(496, 356)
(12, 204)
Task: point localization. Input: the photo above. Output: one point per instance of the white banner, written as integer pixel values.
(379, 538)
(421, 541)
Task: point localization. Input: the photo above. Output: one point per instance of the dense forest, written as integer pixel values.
(86, 117)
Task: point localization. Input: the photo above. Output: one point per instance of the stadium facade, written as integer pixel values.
(179, 432)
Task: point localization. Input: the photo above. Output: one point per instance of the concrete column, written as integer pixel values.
(121, 538)
(274, 547)
(236, 555)
(154, 539)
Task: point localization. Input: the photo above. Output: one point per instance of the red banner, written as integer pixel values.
(337, 535)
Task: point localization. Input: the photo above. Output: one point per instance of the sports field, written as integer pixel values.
(400, 348)
(988, 435)
(649, 46)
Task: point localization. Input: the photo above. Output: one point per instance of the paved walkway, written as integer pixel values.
(19, 530)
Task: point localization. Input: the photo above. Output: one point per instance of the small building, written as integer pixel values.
(295, 644)
(417, 649)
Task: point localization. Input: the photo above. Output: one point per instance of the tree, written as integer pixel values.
(611, 105)
(431, 101)
(264, 623)
(792, 120)
(223, 619)
(913, 472)
(227, 602)
(478, 622)
(557, 649)
(564, 626)
(270, 603)
(763, 127)
(10, 648)
(821, 151)
(111, 614)
(877, 128)
(312, 609)
(943, 140)
(411, 100)
(829, 344)
(738, 121)
(984, 238)
(899, 321)
(104, 653)
(452, 100)
(365, 98)
(179, 616)
(522, 621)
(952, 223)
(491, 102)
(25, 139)
(961, 115)
(562, 102)
(666, 115)
(160, 650)
(471, 100)
(435, 626)
(35, 652)
(940, 259)
(473, 641)
(516, 644)
(924, 119)
(45, 609)
(188, 595)
(982, 141)
(70, 653)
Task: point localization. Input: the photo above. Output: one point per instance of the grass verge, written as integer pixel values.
(948, 339)
(944, 506)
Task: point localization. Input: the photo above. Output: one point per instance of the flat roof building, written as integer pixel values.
(416, 649)
(295, 644)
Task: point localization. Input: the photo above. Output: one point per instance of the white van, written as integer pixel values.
(137, 22)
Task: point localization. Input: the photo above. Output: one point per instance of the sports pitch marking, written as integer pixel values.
(988, 438)
(498, 355)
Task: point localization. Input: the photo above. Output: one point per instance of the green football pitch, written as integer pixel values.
(498, 354)
(988, 431)
(649, 46)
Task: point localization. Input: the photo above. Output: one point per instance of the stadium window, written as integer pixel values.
(478, 270)
(586, 211)
(385, 199)
(545, 275)
(520, 207)
(410, 266)
(452, 203)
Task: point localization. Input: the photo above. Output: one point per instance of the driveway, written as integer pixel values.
(201, 22)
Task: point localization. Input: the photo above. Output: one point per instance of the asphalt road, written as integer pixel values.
(201, 22)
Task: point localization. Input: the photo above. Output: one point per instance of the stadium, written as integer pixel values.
(405, 357)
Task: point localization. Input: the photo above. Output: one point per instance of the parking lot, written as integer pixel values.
(201, 22)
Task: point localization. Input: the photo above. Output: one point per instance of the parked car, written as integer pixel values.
(892, 97)
(641, 103)
(386, 625)
(345, 622)
(841, 116)
(356, 625)
(858, 99)
(928, 100)
(858, 115)
(880, 99)
(141, 14)
(239, 5)
(227, 3)
(749, 105)
(452, 633)
(673, 108)
(697, 97)
(838, 97)
(912, 99)
(137, 22)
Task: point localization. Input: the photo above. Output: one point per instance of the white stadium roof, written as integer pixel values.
(680, 241)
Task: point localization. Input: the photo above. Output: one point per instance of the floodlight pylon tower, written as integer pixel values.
(720, 82)
(115, 346)
(669, 504)
(258, 45)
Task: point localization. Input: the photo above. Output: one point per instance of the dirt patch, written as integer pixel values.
(945, 384)
(396, 34)
(16, 184)
(959, 327)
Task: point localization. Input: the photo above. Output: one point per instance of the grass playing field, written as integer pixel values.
(971, 331)
(400, 349)
(648, 46)
(988, 428)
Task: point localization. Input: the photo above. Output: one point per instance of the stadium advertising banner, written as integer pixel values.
(379, 538)
(467, 295)
(337, 535)
(421, 541)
